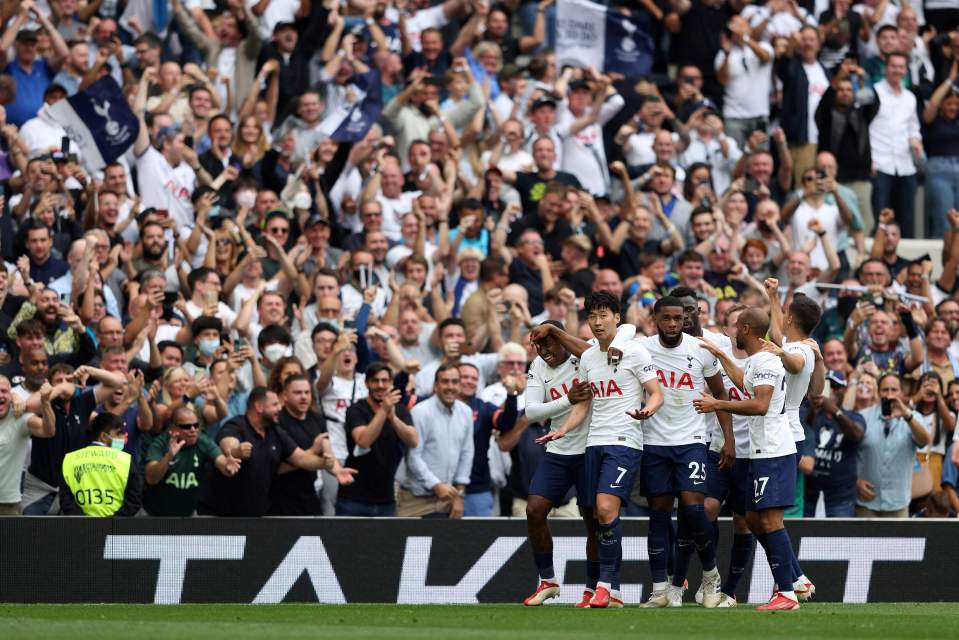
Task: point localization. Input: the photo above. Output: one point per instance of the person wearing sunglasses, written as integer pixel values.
(174, 463)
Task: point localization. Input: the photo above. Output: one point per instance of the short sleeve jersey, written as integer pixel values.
(616, 390)
(546, 384)
(769, 435)
(797, 384)
(682, 371)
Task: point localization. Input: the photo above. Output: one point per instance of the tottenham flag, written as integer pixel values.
(590, 35)
(352, 119)
(99, 121)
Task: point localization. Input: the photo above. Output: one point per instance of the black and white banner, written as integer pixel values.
(591, 35)
(403, 561)
(99, 121)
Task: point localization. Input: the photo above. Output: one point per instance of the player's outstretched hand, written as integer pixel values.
(705, 404)
(552, 435)
(641, 414)
(709, 346)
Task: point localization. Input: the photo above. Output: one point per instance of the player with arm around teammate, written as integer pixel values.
(772, 471)
(614, 444)
(553, 387)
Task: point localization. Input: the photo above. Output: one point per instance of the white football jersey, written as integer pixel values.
(545, 398)
(723, 342)
(682, 373)
(769, 435)
(616, 390)
(797, 384)
(740, 423)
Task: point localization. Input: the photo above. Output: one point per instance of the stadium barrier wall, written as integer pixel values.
(342, 560)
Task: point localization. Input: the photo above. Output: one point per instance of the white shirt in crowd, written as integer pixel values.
(818, 83)
(828, 217)
(746, 93)
(164, 187)
(895, 123)
(584, 154)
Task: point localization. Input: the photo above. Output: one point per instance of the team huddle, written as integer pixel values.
(708, 419)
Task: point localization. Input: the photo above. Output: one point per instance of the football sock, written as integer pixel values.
(544, 565)
(592, 574)
(778, 552)
(670, 544)
(610, 538)
(684, 550)
(742, 551)
(715, 532)
(794, 562)
(701, 531)
(657, 544)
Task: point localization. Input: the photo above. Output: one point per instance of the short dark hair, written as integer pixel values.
(104, 423)
(163, 345)
(448, 366)
(602, 300)
(491, 267)
(805, 311)
(149, 39)
(296, 377)
(449, 322)
(555, 323)
(33, 224)
(375, 367)
(668, 301)
(271, 334)
(683, 292)
(198, 274)
(257, 394)
(203, 323)
(690, 255)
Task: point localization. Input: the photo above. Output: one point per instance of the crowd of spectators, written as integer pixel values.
(291, 325)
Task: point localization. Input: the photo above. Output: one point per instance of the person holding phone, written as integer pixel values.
(887, 453)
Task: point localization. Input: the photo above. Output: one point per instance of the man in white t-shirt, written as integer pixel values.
(164, 179)
(744, 68)
(386, 187)
(580, 124)
(772, 467)
(812, 205)
(205, 301)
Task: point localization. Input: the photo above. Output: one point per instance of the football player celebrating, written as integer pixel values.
(730, 486)
(614, 445)
(675, 455)
(772, 469)
(805, 373)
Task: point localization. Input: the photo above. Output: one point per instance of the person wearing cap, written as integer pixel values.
(321, 254)
(836, 434)
(32, 73)
(292, 55)
(542, 124)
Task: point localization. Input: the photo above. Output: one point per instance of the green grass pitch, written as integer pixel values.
(236, 622)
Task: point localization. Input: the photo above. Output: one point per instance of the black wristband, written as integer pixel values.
(909, 324)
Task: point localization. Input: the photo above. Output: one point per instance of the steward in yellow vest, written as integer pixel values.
(100, 480)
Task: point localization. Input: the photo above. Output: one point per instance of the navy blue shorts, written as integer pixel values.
(610, 469)
(556, 473)
(669, 470)
(729, 487)
(772, 483)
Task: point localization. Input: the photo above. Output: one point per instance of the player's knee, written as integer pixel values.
(739, 525)
(607, 510)
(537, 509)
(712, 507)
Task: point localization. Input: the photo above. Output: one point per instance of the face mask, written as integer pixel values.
(117, 443)
(276, 351)
(208, 347)
(246, 199)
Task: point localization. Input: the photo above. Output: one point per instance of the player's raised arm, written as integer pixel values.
(570, 342)
(775, 312)
(731, 368)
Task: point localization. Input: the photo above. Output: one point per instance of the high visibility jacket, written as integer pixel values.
(97, 478)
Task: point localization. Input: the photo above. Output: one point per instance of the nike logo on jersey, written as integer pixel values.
(685, 381)
(698, 483)
(615, 486)
(545, 381)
